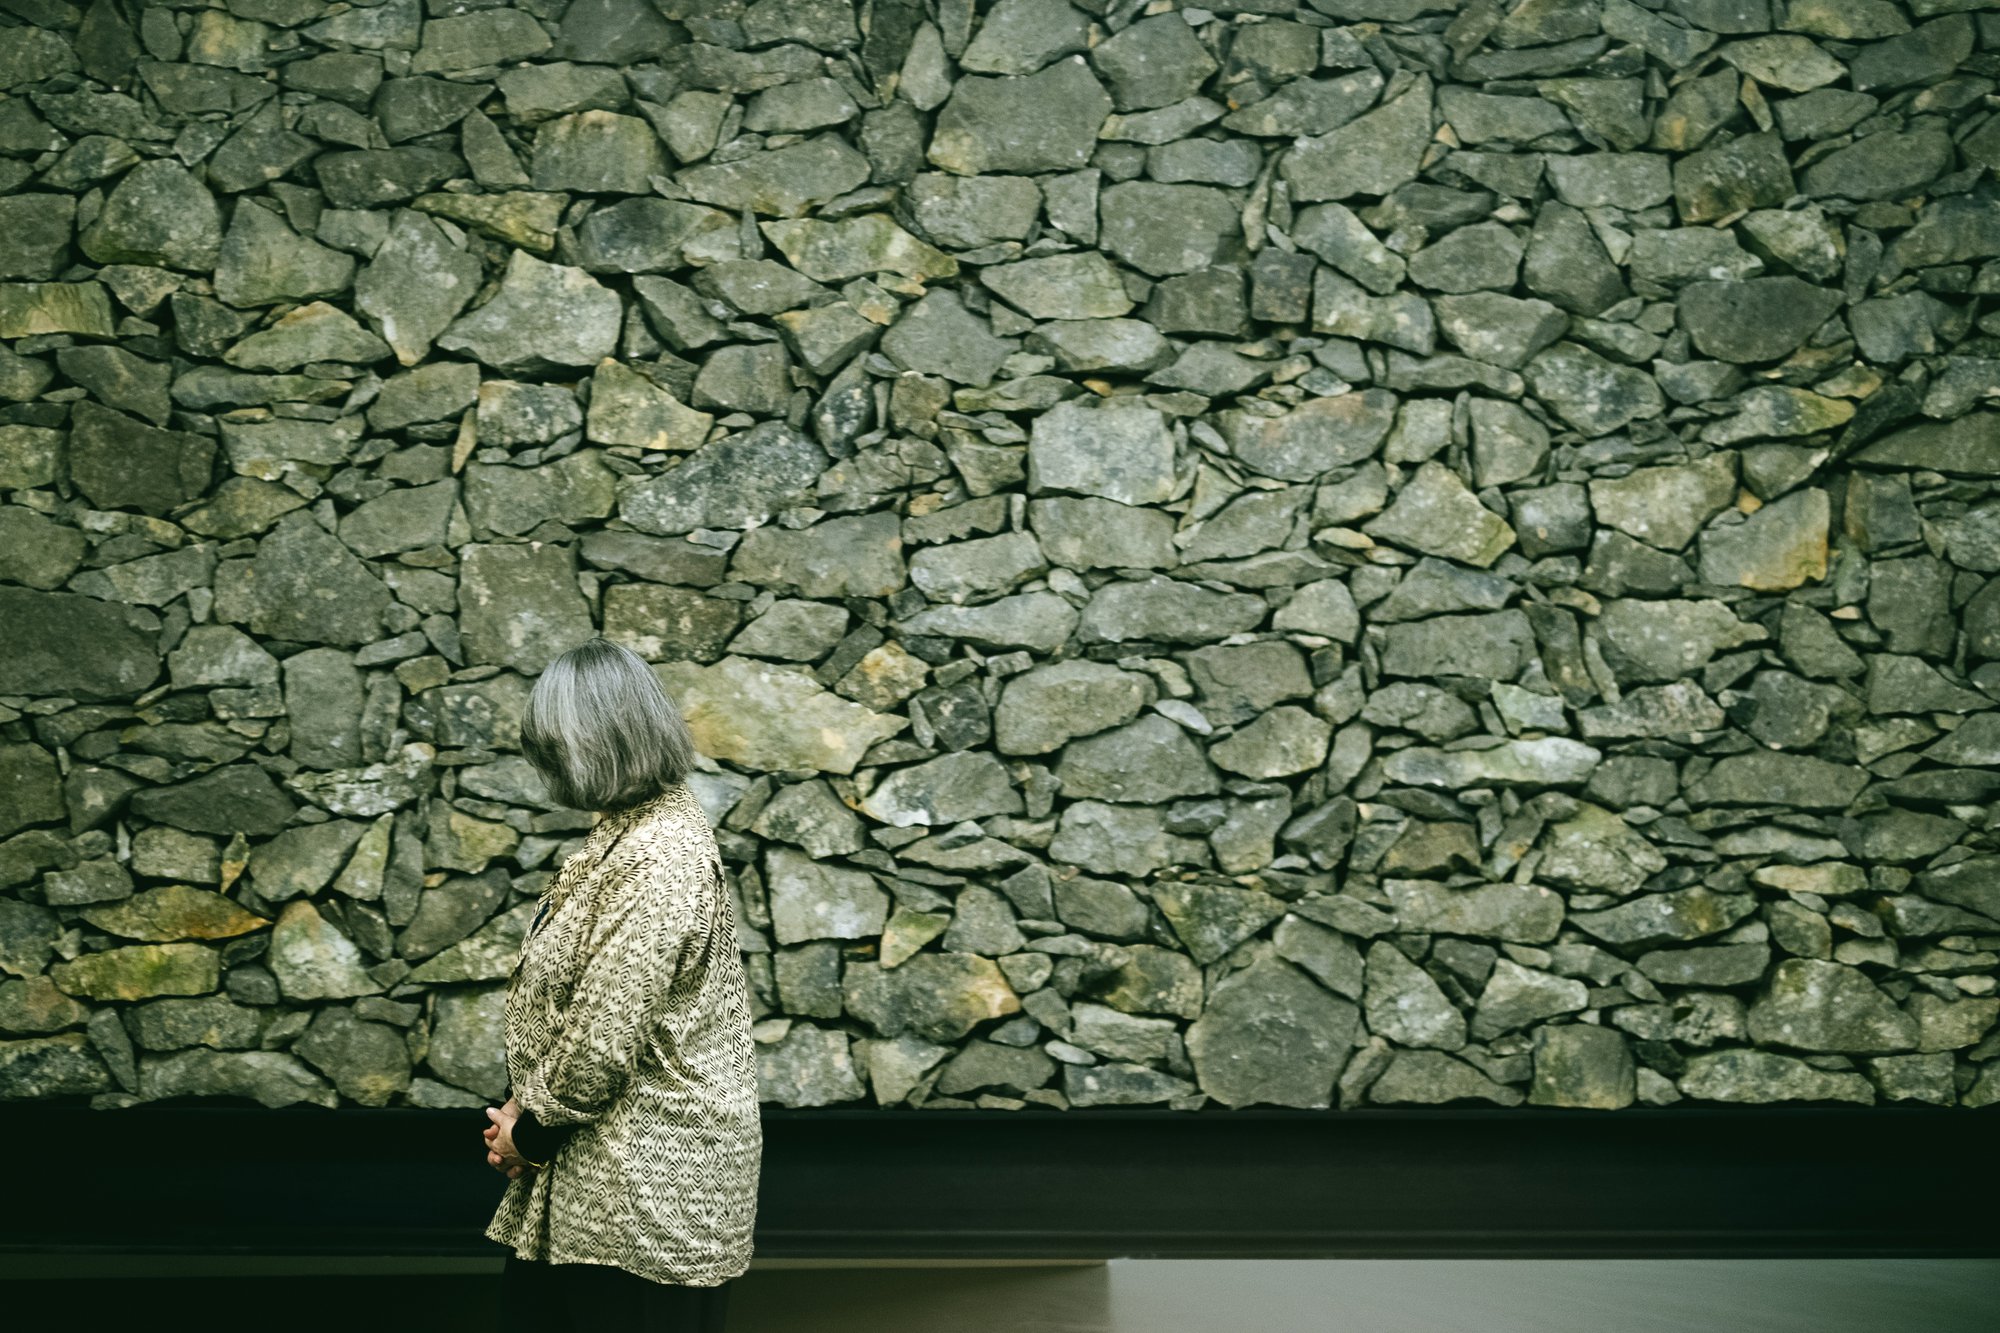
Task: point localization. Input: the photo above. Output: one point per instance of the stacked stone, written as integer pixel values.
(1308, 554)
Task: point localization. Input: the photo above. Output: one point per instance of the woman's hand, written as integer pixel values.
(500, 1152)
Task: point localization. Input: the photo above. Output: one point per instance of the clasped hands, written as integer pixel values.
(501, 1154)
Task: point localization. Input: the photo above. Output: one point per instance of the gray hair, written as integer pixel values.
(602, 730)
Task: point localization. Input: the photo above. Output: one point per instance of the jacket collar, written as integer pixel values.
(617, 821)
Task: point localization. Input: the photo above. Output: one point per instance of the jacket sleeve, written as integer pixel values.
(534, 1140)
(539, 1142)
(633, 951)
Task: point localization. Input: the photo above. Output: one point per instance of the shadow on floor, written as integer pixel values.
(1128, 1296)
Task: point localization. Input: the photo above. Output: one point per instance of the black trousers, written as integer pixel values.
(600, 1298)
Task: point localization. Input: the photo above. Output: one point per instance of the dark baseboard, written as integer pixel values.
(202, 1177)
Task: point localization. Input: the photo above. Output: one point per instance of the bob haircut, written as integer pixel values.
(602, 731)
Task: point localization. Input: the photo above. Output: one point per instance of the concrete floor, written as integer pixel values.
(1120, 1296)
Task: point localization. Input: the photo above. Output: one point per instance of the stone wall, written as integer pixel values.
(1318, 554)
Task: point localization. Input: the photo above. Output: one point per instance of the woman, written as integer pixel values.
(631, 1139)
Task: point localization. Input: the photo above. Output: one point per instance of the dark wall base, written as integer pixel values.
(1884, 1181)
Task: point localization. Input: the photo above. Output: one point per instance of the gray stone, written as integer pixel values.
(518, 217)
(1153, 62)
(262, 261)
(1782, 545)
(1582, 1065)
(1521, 913)
(1402, 320)
(1120, 1084)
(1154, 980)
(472, 41)
(1042, 709)
(1167, 610)
(368, 1062)
(1335, 234)
(139, 971)
(543, 316)
(1150, 760)
(855, 556)
(118, 379)
(773, 717)
(1761, 319)
(813, 900)
(1478, 117)
(1040, 621)
(1102, 344)
(1814, 1005)
(784, 182)
(1710, 965)
(1404, 1004)
(738, 480)
(1784, 60)
(809, 1066)
(271, 1078)
(1118, 453)
(809, 104)
(1308, 106)
(873, 243)
(1518, 997)
(1666, 506)
(1483, 256)
(117, 462)
(511, 413)
(1565, 263)
(158, 214)
(1327, 954)
(1436, 514)
(1765, 1076)
(1502, 330)
(1212, 919)
(757, 286)
(1662, 918)
(374, 176)
(961, 570)
(752, 378)
(313, 960)
(410, 108)
(945, 790)
(1285, 741)
(1372, 154)
(1083, 285)
(1271, 1036)
(1105, 908)
(646, 235)
(416, 284)
(310, 333)
(938, 996)
(1432, 1077)
(1792, 779)
(1021, 36)
(1745, 172)
(939, 336)
(1924, 54)
(519, 605)
(302, 584)
(1318, 435)
(460, 1050)
(1592, 394)
(1046, 121)
(1164, 229)
(965, 212)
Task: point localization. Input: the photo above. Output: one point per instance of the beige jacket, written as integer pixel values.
(628, 1014)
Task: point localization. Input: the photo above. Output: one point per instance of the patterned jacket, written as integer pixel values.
(628, 1020)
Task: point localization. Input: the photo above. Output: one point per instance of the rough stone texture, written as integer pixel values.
(1300, 552)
